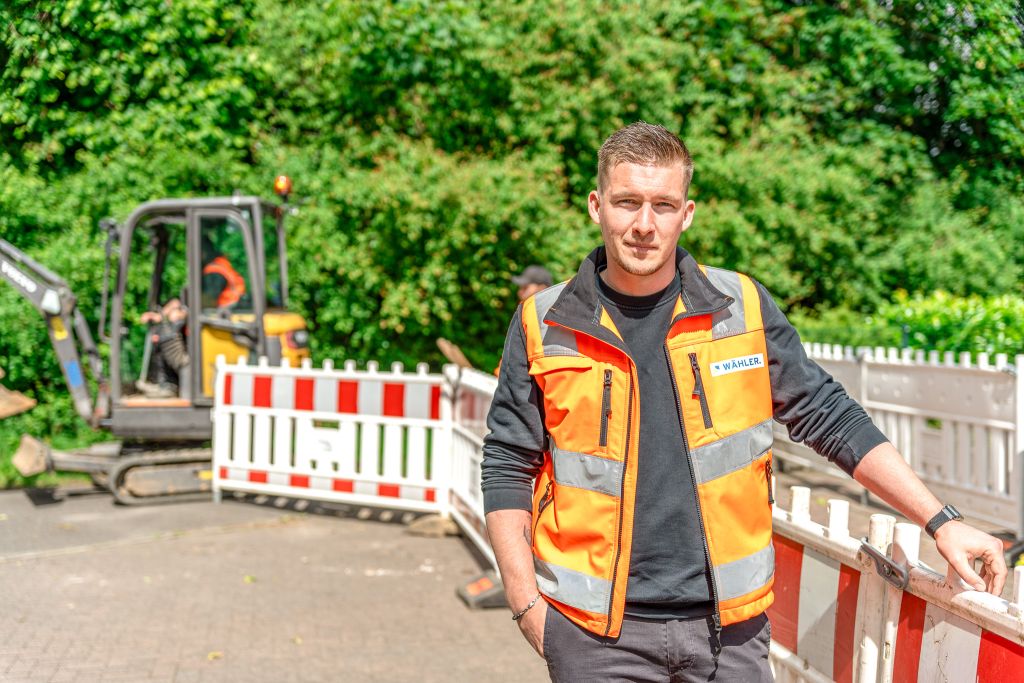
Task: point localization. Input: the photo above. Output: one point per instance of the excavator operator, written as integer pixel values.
(223, 287)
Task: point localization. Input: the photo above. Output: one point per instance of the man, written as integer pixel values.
(222, 285)
(533, 279)
(170, 354)
(627, 474)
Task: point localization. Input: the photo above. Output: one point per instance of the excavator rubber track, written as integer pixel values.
(161, 476)
(135, 475)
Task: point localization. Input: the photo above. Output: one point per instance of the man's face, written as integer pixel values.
(529, 289)
(642, 210)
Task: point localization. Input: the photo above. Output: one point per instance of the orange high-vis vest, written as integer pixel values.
(585, 493)
(235, 287)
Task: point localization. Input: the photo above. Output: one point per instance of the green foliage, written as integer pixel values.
(844, 151)
(437, 243)
(938, 322)
(116, 77)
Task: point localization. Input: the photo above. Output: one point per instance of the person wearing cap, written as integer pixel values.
(627, 475)
(533, 279)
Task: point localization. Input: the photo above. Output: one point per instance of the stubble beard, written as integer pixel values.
(635, 266)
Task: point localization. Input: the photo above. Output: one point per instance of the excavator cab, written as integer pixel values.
(222, 261)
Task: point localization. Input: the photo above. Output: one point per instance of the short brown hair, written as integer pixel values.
(646, 144)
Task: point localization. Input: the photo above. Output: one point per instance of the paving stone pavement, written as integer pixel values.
(90, 591)
(260, 590)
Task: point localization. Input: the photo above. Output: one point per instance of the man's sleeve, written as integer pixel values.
(514, 448)
(814, 407)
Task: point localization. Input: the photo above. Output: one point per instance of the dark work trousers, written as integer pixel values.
(657, 650)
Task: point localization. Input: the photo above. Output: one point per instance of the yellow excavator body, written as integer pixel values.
(280, 327)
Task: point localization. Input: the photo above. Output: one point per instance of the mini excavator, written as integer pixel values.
(217, 268)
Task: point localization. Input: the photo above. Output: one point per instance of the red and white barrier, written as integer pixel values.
(835, 617)
(324, 393)
(357, 436)
(395, 439)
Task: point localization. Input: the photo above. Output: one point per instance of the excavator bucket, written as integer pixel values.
(13, 402)
(32, 457)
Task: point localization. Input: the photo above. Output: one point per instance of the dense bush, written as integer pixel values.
(937, 322)
(844, 151)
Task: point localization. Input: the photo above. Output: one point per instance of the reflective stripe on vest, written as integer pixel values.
(721, 457)
(558, 341)
(234, 288)
(732, 320)
(573, 588)
(588, 472)
(736, 579)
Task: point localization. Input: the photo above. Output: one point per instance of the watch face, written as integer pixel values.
(954, 513)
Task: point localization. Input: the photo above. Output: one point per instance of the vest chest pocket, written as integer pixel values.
(578, 395)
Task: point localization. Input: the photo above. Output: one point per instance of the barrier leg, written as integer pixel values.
(872, 653)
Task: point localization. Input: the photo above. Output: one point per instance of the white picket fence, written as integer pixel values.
(413, 441)
(957, 420)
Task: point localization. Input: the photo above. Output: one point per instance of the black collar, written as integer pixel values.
(578, 306)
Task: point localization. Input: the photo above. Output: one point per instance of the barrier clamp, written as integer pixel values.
(886, 568)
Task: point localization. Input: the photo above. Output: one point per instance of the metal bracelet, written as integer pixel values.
(519, 615)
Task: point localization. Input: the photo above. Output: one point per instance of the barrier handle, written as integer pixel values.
(886, 568)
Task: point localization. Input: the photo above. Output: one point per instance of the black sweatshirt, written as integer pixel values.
(667, 571)
(667, 566)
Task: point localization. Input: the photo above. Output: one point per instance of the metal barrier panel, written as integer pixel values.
(472, 398)
(356, 436)
(958, 424)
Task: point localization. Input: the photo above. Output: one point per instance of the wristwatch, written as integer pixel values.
(946, 514)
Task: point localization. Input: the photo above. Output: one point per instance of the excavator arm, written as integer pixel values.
(69, 331)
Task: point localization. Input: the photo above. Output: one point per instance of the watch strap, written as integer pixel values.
(947, 514)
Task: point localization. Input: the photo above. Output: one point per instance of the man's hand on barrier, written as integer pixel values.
(532, 625)
(885, 472)
(961, 545)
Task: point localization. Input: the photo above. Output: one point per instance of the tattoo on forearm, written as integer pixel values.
(526, 535)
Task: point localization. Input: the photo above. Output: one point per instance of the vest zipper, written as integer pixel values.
(768, 478)
(622, 500)
(717, 616)
(545, 500)
(606, 408)
(698, 390)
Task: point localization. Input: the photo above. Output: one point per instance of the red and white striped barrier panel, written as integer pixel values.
(357, 436)
(836, 618)
(934, 644)
(324, 392)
